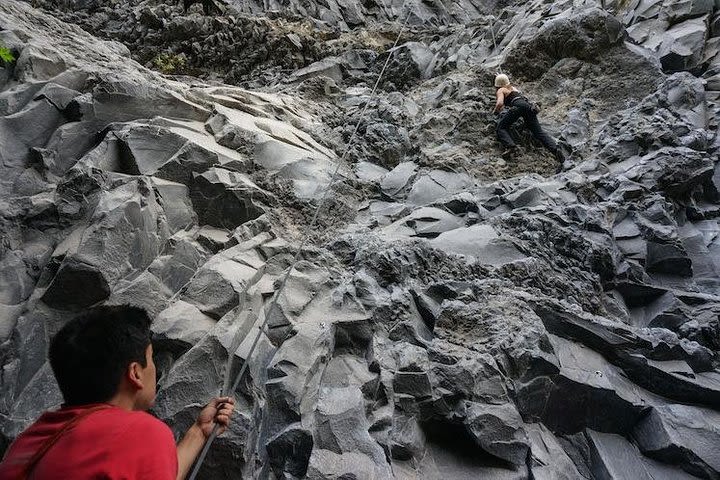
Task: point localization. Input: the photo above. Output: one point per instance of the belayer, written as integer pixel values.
(519, 106)
(103, 363)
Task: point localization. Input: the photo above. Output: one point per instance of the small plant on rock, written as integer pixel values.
(6, 55)
(170, 63)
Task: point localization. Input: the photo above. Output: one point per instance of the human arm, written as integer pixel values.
(499, 100)
(217, 411)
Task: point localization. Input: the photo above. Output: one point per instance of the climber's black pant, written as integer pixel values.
(521, 108)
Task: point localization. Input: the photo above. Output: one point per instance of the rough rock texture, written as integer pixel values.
(457, 312)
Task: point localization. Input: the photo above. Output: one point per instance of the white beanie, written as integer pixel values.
(501, 80)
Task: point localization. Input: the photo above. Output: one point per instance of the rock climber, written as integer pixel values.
(103, 364)
(518, 105)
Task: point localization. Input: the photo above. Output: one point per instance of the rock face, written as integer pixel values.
(456, 312)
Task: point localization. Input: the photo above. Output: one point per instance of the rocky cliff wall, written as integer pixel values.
(458, 313)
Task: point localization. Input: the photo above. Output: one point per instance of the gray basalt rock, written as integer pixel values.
(583, 36)
(342, 429)
(326, 464)
(668, 258)
(181, 325)
(683, 435)
(226, 199)
(480, 243)
(435, 185)
(456, 311)
(612, 456)
(427, 222)
(397, 179)
(548, 458)
(498, 430)
(290, 451)
(219, 285)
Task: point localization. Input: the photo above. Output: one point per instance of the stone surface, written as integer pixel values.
(612, 456)
(684, 435)
(682, 45)
(456, 311)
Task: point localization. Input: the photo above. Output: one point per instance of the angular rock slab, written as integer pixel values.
(227, 199)
(498, 429)
(341, 427)
(428, 222)
(397, 179)
(437, 184)
(278, 147)
(682, 45)
(548, 458)
(221, 283)
(479, 243)
(684, 435)
(612, 456)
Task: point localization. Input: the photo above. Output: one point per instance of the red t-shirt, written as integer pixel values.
(109, 444)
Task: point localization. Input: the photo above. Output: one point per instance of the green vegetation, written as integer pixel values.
(6, 55)
(169, 63)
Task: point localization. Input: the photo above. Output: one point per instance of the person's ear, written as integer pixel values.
(134, 375)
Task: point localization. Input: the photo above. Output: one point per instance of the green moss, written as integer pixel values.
(169, 63)
(6, 55)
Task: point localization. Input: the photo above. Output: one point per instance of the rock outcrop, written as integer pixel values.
(456, 312)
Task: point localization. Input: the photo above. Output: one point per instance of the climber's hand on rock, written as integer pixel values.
(217, 411)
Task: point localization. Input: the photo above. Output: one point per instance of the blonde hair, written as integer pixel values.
(501, 80)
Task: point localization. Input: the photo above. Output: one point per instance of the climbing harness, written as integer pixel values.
(273, 304)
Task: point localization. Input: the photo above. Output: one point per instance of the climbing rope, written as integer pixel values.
(296, 258)
(492, 31)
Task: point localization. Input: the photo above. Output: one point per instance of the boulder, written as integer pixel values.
(596, 388)
(612, 456)
(526, 197)
(135, 150)
(16, 283)
(583, 36)
(548, 460)
(398, 178)
(436, 184)
(387, 143)
(341, 427)
(226, 199)
(180, 326)
(145, 291)
(31, 127)
(327, 464)
(221, 283)
(428, 222)
(667, 311)
(679, 11)
(408, 439)
(498, 429)
(670, 259)
(214, 239)
(682, 45)
(289, 453)
(479, 243)
(179, 262)
(290, 371)
(175, 200)
(682, 435)
(327, 67)
(415, 384)
(367, 172)
(76, 286)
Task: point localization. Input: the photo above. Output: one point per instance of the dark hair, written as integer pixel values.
(90, 353)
